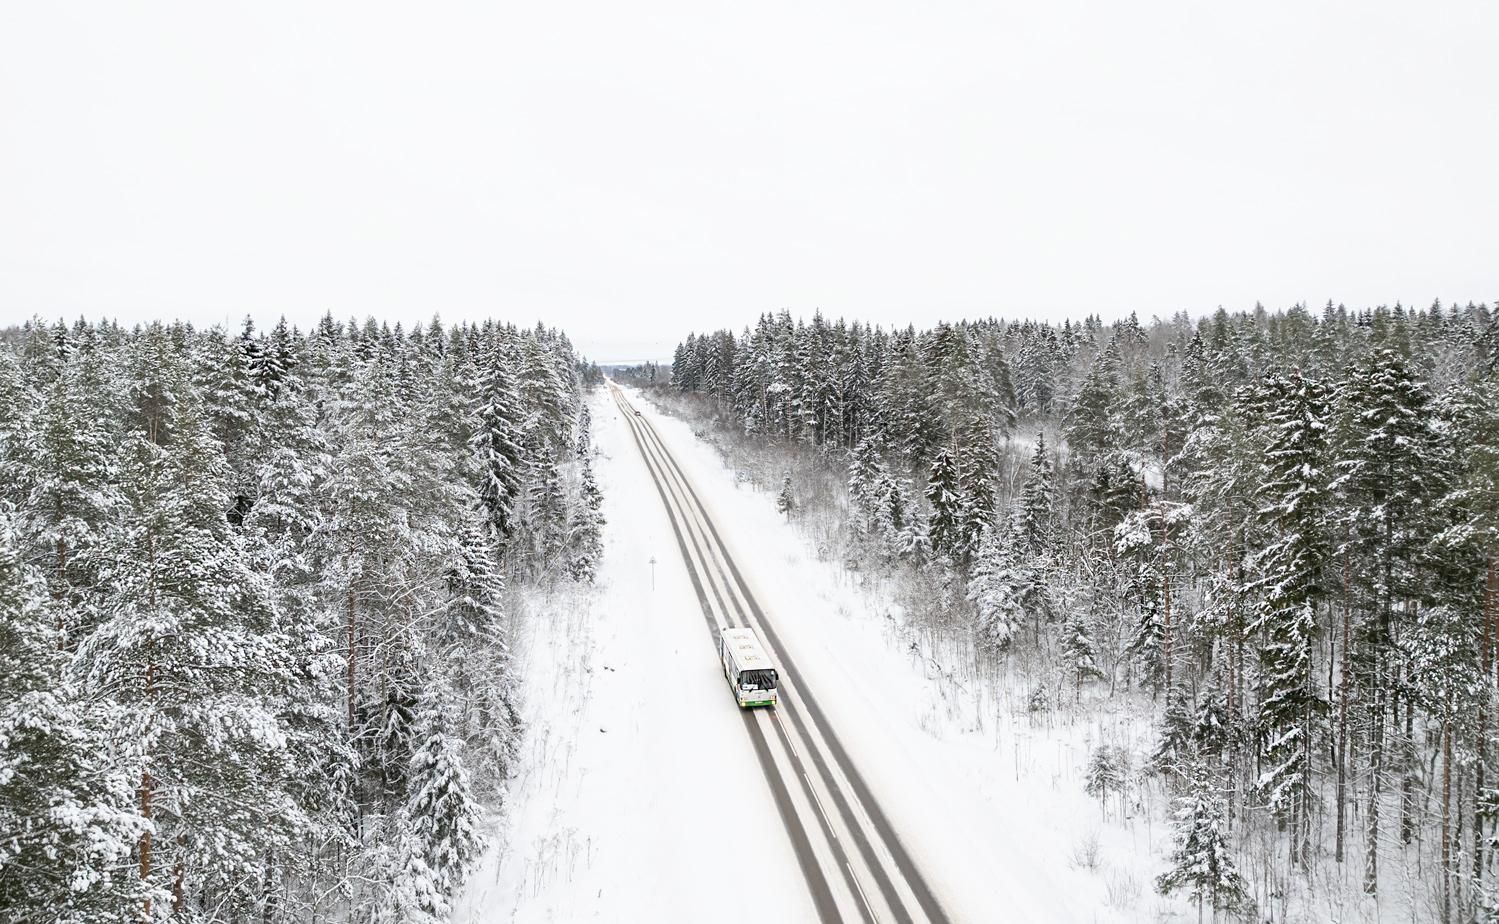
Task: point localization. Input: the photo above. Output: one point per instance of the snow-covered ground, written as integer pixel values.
(617, 814)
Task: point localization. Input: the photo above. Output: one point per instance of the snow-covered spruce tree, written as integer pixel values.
(67, 823)
(997, 587)
(978, 466)
(944, 491)
(548, 386)
(1289, 574)
(1473, 413)
(1448, 683)
(1038, 503)
(1079, 650)
(1149, 639)
(865, 469)
(437, 829)
(497, 434)
(542, 531)
(786, 500)
(1392, 469)
(1092, 426)
(469, 638)
(900, 533)
(585, 528)
(1202, 865)
(1108, 772)
(222, 376)
(17, 403)
(1175, 744)
(189, 653)
(72, 495)
(1213, 726)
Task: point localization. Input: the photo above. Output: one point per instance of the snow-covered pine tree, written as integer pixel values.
(189, 652)
(67, 824)
(1473, 411)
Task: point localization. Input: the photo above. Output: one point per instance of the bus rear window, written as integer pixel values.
(757, 680)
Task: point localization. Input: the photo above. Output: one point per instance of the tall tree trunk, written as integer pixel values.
(1165, 559)
(150, 720)
(1407, 772)
(1376, 774)
(1447, 816)
(1490, 601)
(351, 660)
(1233, 630)
(1304, 808)
(1478, 782)
(1491, 615)
(1344, 688)
(61, 593)
(177, 879)
(1165, 601)
(146, 843)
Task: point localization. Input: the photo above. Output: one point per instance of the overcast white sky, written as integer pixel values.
(633, 171)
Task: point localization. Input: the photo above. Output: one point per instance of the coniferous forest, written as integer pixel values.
(254, 660)
(1280, 529)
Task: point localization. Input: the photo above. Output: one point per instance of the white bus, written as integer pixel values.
(746, 665)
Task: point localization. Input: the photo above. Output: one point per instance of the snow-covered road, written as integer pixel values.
(641, 797)
(855, 866)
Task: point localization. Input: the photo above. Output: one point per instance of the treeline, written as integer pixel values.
(643, 375)
(253, 658)
(1283, 525)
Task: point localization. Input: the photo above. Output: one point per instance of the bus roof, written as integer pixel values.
(745, 649)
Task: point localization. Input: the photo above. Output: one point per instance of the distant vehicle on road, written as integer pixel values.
(747, 667)
(638, 414)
